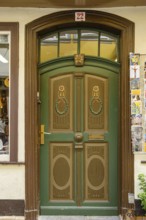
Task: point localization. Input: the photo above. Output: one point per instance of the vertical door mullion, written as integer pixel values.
(78, 102)
(79, 41)
(78, 129)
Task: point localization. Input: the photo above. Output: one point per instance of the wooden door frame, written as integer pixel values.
(52, 22)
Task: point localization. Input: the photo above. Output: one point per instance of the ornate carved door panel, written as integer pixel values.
(79, 109)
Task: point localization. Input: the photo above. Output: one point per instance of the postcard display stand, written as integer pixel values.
(138, 101)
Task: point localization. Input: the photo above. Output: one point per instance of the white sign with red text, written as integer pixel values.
(80, 16)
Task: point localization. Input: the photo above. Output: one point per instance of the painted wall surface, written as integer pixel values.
(12, 182)
(12, 177)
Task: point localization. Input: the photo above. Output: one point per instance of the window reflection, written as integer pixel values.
(71, 42)
(49, 48)
(4, 93)
(108, 47)
(89, 42)
(68, 43)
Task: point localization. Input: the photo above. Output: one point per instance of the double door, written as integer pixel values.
(78, 165)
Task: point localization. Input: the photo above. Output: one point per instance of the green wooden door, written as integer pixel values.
(78, 164)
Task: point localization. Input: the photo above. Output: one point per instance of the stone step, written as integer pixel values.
(64, 218)
(79, 218)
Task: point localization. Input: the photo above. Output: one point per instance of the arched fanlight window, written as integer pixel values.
(79, 41)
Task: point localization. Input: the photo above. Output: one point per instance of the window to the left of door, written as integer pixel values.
(8, 92)
(4, 94)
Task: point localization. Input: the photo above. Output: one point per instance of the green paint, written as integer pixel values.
(101, 68)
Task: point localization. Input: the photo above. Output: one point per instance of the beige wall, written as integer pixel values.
(12, 182)
(16, 174)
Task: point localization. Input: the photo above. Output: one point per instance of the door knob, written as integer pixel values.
(78, 137)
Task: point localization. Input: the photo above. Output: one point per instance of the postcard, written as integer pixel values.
(134, 84)
(134, 71)
(134, 59)
(136, 119)
(137, 138)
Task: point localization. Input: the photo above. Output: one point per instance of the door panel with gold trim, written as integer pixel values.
(79, 109)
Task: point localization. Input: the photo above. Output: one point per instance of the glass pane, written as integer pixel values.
(108, 47)
(89, 42)
(4, 94)
(68, 43)
(49, 48)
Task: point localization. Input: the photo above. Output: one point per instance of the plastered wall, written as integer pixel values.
(12, 177)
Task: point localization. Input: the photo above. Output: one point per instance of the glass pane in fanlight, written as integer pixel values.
(68, 43)
(108, 47)
(89, 43)
(49, 48)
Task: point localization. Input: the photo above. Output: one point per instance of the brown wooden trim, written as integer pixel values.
(140, 218)
(13, 27)
(14, 93)
(11, 207)
(12, 163)
(97, 19)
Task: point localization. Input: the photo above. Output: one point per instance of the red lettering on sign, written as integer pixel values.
(79, 16)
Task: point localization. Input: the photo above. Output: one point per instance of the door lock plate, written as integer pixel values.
(78, 146)
(96, 137)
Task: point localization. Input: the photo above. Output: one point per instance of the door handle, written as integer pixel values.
(42, 132)
(78, 137)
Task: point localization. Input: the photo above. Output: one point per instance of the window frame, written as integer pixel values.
(78, 40)
(13, 28)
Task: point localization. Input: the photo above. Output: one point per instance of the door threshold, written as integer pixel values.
(54, 217)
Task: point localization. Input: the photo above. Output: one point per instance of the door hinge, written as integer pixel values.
(38, 98)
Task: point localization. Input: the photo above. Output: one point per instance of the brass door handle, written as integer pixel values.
(42, 132)
(78, 137)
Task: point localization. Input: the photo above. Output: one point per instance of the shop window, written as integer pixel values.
(8, 92)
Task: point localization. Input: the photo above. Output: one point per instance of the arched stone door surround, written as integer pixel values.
(65, 19)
